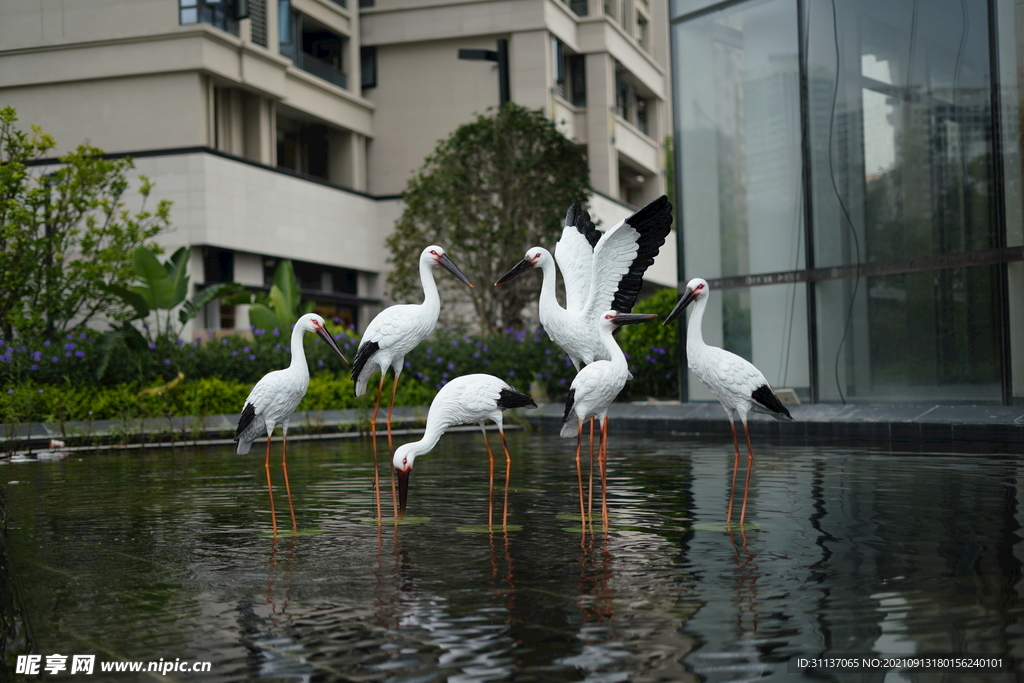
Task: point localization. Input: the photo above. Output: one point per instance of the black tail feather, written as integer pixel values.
(570, 401)
(767, 399)
(510, 397)
(363, 354)
(245, 419)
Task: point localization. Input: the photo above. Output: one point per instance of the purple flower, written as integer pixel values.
(35, 367)
(408, 364)
(54, 359)
(276, 332)
(319, 363)
(81, 335)
(234, 353)
(45, 343)
(67, 354)
(245, 349)
(511, 373)
(167, 361)
(152, 346)
(69, 347)
(451, 366)
(10, 391)
(224, 341)
(252, 357)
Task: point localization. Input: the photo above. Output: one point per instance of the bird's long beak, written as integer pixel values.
(326, 336)
(453, 269)
(634, 318)
(403, 490)
(517, 270)
(687, 299)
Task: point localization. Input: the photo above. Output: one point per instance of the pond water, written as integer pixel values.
(164, 554)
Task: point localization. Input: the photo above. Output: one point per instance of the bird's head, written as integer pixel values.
(696, 290)
(402, 462)
(534, 258)
(436, 256)
(311, 322)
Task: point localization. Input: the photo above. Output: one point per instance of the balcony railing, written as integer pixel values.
(312, 65)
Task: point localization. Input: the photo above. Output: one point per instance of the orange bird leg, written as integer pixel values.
(270, 488)
(508, 474)
(373, 439)
(602, 457)
(735, 466)
(750, 466)
(490, 487)
(391, 450)
(391, 406)
(579, 475)
(590, 485)
(287, 486)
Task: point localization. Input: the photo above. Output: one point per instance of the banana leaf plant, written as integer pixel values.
(281, 307)
(163, 287)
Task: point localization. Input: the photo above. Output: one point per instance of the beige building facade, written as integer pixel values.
(289, 129)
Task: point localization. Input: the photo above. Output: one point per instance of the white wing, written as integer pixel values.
(574, 254)
(613, 256)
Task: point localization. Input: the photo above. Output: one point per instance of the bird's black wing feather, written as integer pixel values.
(654, 223)
(363, 354)
(246, 418)
(580, 219)
(510, 397)
(767, 399)
(570, 401)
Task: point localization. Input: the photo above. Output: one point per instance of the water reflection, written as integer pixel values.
(138, 556)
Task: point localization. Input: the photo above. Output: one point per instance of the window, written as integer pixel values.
(869, 175)
(569, 74)
(312, 47)
(368, 66)
(632, 99)
(739, 156)
(223, 14)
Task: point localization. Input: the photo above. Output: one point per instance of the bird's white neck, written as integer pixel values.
(548, 303)
(426, 444)
(298, 363)
(615, 355)
(430, 296)
(694, 336)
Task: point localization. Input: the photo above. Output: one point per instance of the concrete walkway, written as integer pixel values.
(900, 425)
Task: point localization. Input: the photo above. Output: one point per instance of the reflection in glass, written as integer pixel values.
(902, 167)
(738, 102)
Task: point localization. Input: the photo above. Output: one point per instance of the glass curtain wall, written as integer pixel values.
(737, 85)
(902, 166)
(850, 148)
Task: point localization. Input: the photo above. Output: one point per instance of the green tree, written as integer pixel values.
(65, 236)
(493, 189)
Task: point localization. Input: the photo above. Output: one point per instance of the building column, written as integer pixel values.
(346, 152)
(530, 68)
(604, 161)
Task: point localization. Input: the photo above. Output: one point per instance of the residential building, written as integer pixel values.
(849, 178)
(287, 130)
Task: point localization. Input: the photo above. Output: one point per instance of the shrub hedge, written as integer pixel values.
(55, 379)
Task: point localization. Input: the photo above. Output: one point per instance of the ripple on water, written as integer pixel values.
(851, 550)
